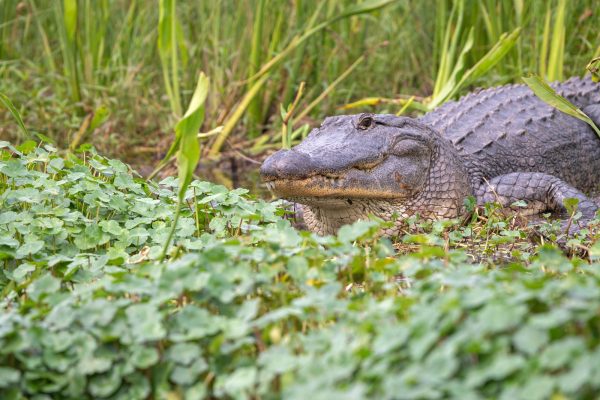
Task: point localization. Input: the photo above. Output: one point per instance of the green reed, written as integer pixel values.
(65, 58)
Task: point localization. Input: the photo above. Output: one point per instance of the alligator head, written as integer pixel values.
(356, 165)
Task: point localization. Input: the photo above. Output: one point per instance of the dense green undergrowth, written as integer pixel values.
(249, 307)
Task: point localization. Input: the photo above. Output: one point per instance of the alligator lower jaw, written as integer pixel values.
(318, 187)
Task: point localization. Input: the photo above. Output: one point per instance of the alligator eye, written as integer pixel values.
(365, 122)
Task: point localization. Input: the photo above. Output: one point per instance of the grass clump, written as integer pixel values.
(248, 307)
(64, 62)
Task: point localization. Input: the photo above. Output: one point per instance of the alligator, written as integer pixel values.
(501, 145)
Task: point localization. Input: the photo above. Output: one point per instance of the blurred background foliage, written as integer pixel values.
(115, 73)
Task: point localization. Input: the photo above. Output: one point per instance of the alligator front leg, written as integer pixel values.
(542, 192)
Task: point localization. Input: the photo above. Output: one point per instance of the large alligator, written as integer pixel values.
(501, 145)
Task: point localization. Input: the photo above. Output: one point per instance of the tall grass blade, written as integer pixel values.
(260, 76)
(254, 108)
(545, 42)
(406, 106)
(287, 119)
(45, 42)
(93, 33)
(557, 47)
(175, 34)
(298, 56)
(441, 26)
(122, 43)
(491, 58)
(449, 45)
(55, 47)
(374, 101)
(450, 83)
(188, 149)
(519, 6)
(69, 19)
(330, 88)
(549, 96)
(83, 129)
(236, 115)
(15, 113)
(7, 12)
(167, 49)
(361, 8)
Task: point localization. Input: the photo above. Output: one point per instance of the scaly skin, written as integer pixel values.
(501, 144)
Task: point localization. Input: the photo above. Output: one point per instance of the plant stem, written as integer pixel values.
(172, 232)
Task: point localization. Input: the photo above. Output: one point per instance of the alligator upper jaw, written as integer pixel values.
(317, 187)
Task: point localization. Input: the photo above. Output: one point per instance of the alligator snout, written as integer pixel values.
(286, 164)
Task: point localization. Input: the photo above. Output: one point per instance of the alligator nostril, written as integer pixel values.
(286, 164)
(269, 167)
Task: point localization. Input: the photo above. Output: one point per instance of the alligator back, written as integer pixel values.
(508, 129)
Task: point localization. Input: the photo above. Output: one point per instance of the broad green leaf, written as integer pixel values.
(184, 353)
(91, 237)
(529, 340)
(8, 241)
(188, 374)
(188, 154)
(30, 248)
(187, 130)
(561, 353)
(539, 387)
(47, 284)
(103, 385)
(501, 367)
(238, 382)
(549, 96)
(22, 271)
(144, 357)
(9, 376)
(145, 323)
(579, 375)
(193, 323)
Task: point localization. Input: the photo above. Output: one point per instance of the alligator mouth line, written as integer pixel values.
(315, 182)
(322, 186)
